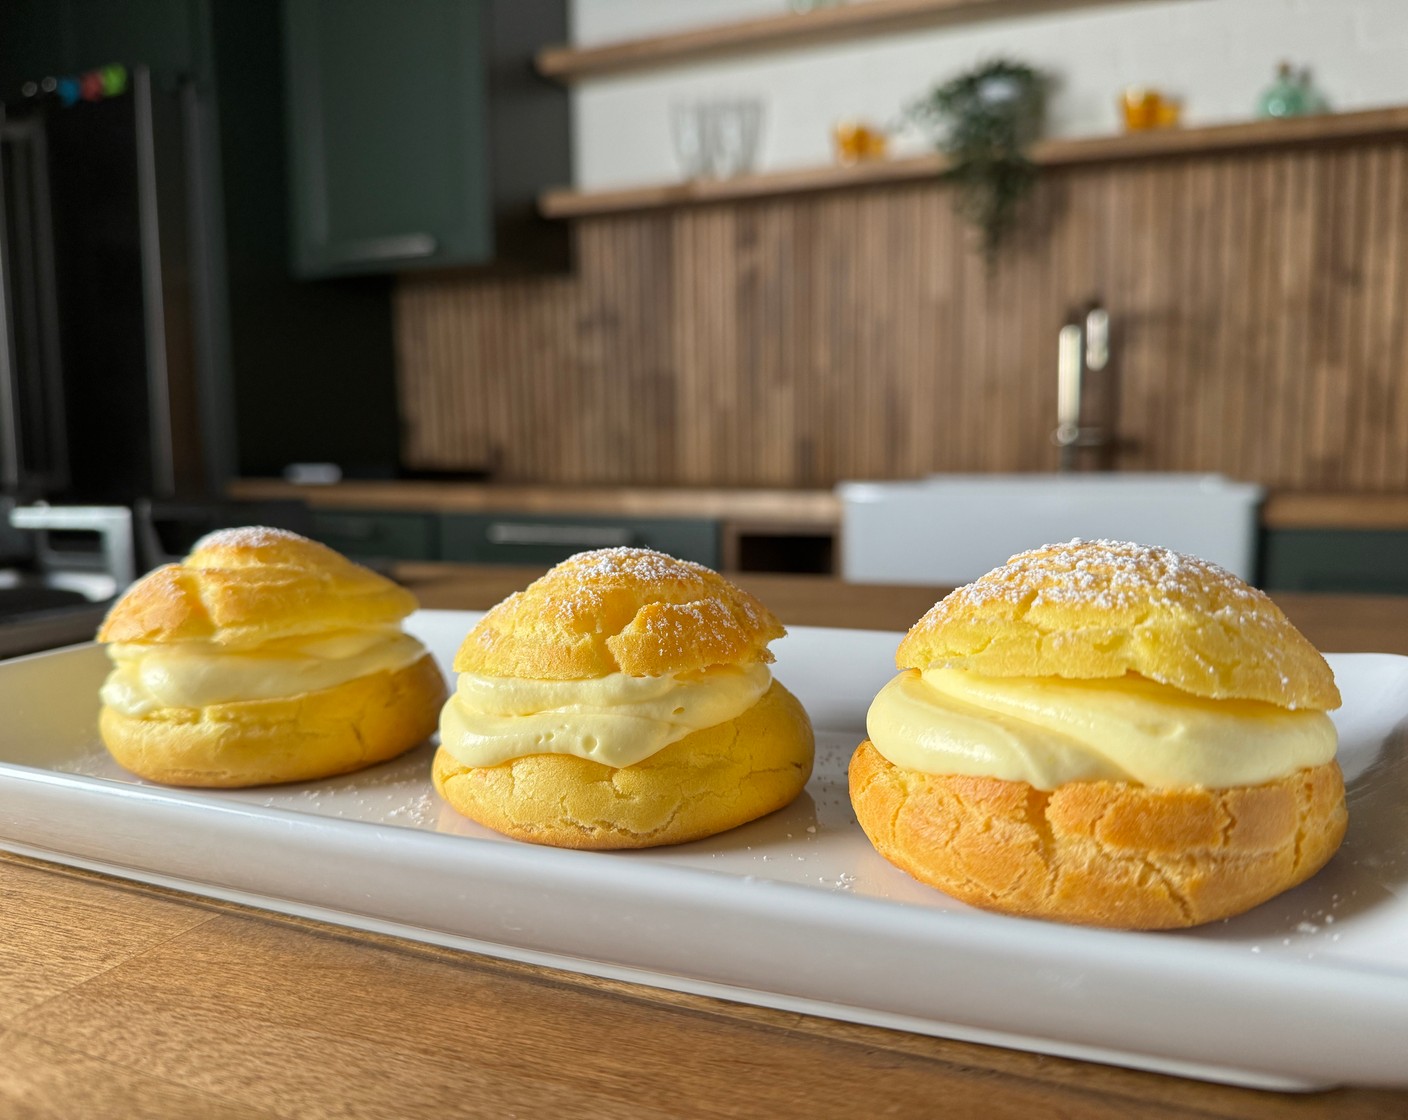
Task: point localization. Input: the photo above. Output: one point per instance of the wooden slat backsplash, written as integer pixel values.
(1257, 304)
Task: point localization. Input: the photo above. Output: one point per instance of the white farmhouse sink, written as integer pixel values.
(950, 529)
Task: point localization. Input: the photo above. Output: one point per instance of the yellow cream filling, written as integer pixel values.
(617, 720)
(197, 674)
(1048, 731)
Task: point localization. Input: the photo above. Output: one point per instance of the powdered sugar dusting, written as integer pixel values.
(247, 536)
(633, 563)
(1103, 608)
(644, 611)
(579, 594)
(1111, 575)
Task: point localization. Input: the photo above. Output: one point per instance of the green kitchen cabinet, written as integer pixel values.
(378, 534)
(1365, 561)
(420, 136)
(539, 540)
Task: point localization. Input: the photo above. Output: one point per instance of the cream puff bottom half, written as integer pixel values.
(287, 739)
(1112, 854)
(711, 780)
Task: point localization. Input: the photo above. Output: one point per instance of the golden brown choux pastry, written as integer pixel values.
(1106, 734)
(263, 657)
(623, 700)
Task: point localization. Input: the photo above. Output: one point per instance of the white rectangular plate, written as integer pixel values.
(795, 911)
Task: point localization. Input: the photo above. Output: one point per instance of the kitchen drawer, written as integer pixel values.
(1369, 561)
(511, 539)
(377, 535)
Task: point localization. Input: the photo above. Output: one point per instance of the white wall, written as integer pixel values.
(1218, 54)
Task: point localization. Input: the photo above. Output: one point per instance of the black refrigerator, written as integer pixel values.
(100, 297)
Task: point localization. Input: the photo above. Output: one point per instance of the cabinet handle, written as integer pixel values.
(574, 536)
(405, 246)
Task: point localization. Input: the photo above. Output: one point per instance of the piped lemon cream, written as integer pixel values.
(198, 674)
(1047, 731)
(617, 719)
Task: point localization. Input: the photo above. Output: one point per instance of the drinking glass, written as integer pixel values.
(737, 127)
(692, 132)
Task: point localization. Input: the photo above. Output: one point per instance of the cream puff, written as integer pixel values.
(623, 700)
(263, 657)
(1106, 734)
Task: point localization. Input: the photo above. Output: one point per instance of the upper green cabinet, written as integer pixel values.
(420, 135)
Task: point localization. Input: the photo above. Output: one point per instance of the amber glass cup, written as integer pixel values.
(856, 142)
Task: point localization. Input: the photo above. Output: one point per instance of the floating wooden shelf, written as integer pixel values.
(1052, 153)
(848, 21)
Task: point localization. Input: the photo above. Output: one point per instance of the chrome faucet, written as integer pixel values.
(1083, 348)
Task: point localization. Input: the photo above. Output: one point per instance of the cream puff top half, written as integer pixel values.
(1101, 660)
(610, 656)
(252, 614)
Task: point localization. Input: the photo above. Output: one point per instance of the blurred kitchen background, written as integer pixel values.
(491, 281)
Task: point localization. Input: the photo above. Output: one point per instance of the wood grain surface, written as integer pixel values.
(1242, 136)
(257, 1015)
(819, 508)
(124, 1000)
(796, 29)
(1335, 511)
(762, 510)
(1255, 302)
(771, 509)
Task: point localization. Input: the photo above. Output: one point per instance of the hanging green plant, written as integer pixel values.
(984, 122)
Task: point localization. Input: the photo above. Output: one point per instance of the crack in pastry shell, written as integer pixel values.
(243, 587)
(627, 610)
(1099, 609)
(1112, 854)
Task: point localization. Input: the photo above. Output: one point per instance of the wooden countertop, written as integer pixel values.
(1308, 510)
(793, 507)
(820, 509)
(119, 999)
